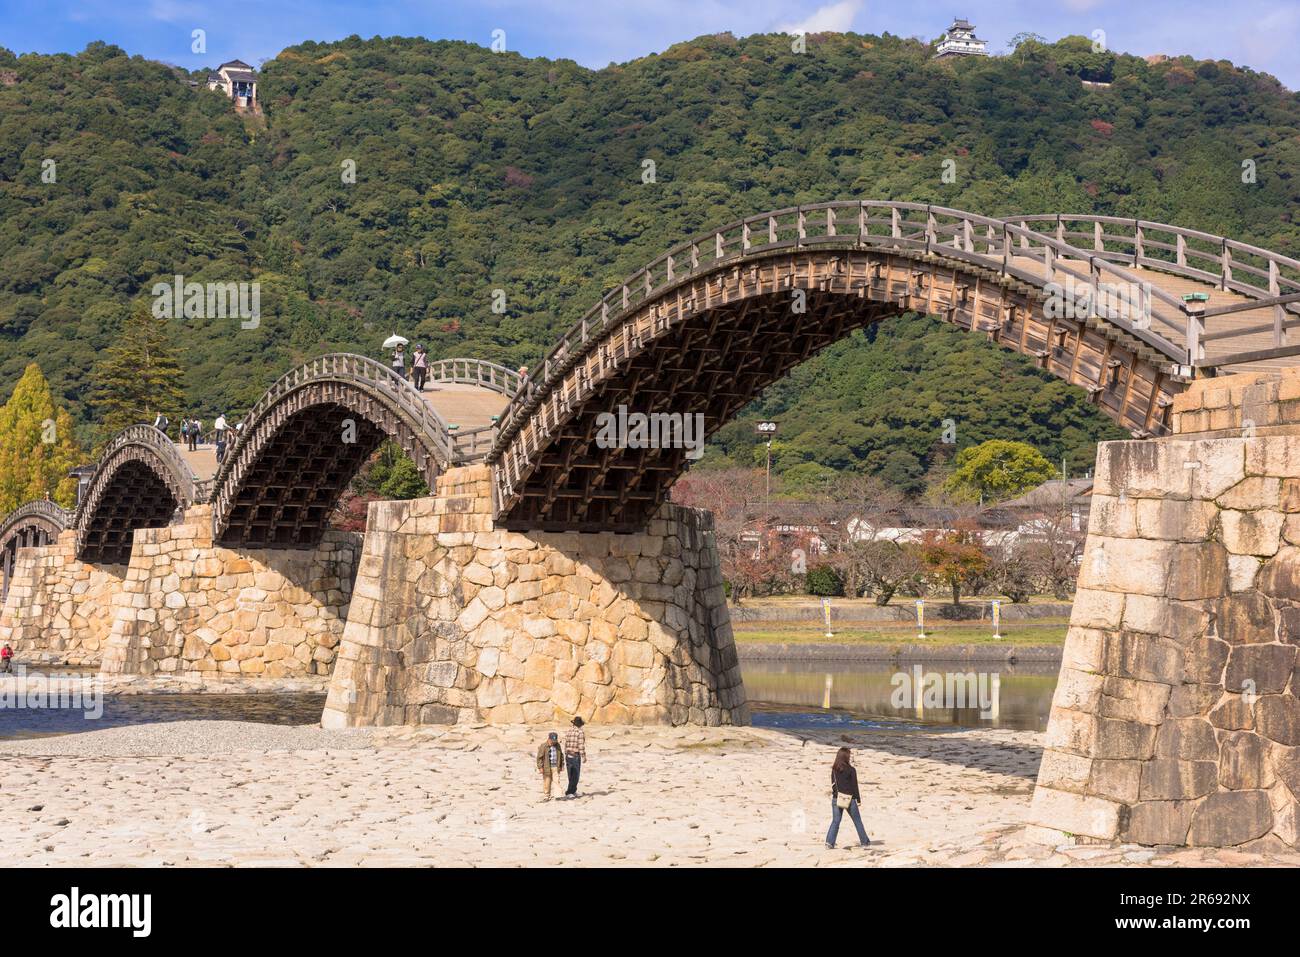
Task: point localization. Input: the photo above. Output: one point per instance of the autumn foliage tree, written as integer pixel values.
(742, 526)
(954, 557)
(37, 446)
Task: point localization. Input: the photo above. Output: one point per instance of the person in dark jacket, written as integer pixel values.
(844, 780)
(550, 758)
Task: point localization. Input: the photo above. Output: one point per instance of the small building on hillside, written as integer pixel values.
(960, 40)
(238, 81)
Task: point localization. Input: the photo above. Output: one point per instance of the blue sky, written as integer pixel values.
(1257, 33)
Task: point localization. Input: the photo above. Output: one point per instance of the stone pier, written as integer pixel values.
(1176, 720)
(453, 620)
(189, 606)
(59, 609)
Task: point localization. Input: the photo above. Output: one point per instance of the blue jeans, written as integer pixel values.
(573, 763)
(836, 812)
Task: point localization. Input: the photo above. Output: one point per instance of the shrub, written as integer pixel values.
(823, 580)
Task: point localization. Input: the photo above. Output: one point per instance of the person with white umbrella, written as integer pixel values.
(399, 356)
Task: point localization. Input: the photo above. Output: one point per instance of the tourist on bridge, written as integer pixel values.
(219, 428)
(845, 797)
(196, 433)
(7, 665)
(420, 367)
(575, 752)
(161, 422)
(399, 360)
(548, 762)
(221, 446)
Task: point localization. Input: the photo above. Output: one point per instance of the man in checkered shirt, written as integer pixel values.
(575, 752)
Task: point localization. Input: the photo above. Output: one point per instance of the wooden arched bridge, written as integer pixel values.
(281, 478)
(705, 328)
(1127, 309)
(30, 525)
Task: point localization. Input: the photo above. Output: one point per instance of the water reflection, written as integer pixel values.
(955, 694)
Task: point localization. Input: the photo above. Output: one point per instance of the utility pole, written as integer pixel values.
(766, 429)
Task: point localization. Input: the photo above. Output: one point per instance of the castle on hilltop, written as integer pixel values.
(960, 40)
(238, 81)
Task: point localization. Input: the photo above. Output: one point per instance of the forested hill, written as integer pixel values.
(477, 171)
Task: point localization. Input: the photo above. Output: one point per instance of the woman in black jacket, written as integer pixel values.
(844, 780)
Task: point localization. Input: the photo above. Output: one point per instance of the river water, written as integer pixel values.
(789, 694)
(950, 694)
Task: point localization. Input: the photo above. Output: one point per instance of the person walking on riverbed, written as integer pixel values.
(6, 658)
(549, 758)
(845, 797)
(575, 752)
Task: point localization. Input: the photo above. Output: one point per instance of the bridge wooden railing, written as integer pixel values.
(157, 442)
(479, 372)
(1162, 321)
(1269, 278)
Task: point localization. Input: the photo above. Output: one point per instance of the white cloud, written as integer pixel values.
(1267, 38)
(832, 18)
(175, 11)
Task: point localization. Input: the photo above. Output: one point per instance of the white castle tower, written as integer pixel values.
(960, 40)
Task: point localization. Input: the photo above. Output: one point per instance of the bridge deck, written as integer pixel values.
(203, 461)
(1178, 286)
(466, 406)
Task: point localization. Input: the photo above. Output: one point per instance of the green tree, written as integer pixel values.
(996, 470)
(140, 376)
(392, 475)
(37, 446)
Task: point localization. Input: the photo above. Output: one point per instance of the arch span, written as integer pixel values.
(139, 482)
(33, 524)
(706, 328)
(305, 439)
